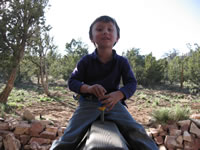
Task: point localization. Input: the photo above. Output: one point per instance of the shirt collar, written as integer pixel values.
(95, 55)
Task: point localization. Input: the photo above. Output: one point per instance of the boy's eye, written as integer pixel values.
(110, 29)
(99, 29)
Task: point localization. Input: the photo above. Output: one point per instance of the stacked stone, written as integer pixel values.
(36, 135)
(39, 135)
(182, 135)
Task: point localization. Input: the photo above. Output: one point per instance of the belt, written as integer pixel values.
(90, 97)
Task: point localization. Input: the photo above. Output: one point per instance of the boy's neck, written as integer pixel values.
(104, 55)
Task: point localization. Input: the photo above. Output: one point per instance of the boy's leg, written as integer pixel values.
(132, 131)
(85, 114)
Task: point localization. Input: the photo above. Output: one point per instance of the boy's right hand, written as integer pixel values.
(97, 90)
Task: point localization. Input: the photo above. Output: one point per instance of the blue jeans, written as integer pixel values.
(87, 112)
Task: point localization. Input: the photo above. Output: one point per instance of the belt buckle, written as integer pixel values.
(90, 98)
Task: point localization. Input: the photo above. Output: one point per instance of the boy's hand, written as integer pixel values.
(97, 90)
(111, 99)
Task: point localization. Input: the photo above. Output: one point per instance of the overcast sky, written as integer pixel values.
(156, 26)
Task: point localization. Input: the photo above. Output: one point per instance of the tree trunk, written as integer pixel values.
(38, 79)
(182, 76)
(9, 86)
(18, 56)
(44, 83)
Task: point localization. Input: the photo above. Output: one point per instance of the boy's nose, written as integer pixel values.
(105, 31)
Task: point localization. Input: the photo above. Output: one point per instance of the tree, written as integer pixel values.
(55, 64)
(75, 50)
(136, 62)
(152, 70)
(194, 66)
(18, 20)
(42, 45)
(171, 54)
(163, 63)
(174, 70)
(27, 70)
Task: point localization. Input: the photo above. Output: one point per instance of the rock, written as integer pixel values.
(11, 143)
(159, 140)
(195, 116)
(196, 121)
(187, 136)
(175, 132)
(162, 147)
(22, 129)
(1, 119)
(4, 126)
(195, 130)
(24, 139)
(27, 115)
(154, 132)
(36, 128)
(39, 141)
(184, 124)
(179, 139)
(170, 142)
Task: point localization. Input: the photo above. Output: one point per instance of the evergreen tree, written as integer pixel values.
(18, 20)
(136, 62)
(75, 50)
(194, 66)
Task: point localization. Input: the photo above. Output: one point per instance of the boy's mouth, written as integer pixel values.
(105, 38)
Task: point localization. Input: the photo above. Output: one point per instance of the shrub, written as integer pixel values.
(173, 114)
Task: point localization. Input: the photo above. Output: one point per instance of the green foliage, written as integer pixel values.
(181, 113)
(156, 102)
(136, 62)
(152, 70)
(162, 115)
(18, 22)
(55, 65)
(174, 69)
(172, 114)
(194, 66)
(26, 70)
(2, 109)
(163, 63)
(75, 50)
(17, 96)
(45, 99)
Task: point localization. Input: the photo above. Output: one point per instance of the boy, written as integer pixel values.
(96, 78)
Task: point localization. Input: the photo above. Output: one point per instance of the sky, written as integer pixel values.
(153, 26)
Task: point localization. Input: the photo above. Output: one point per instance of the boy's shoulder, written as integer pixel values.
(88, 57)
(120, 58)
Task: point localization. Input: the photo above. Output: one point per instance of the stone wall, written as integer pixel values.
(183, 135)
(38, 135)
(34, 135)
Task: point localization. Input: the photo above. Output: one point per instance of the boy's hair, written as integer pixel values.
(104, 19)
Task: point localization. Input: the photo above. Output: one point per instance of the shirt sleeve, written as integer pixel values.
(129, 80)
(76, 79)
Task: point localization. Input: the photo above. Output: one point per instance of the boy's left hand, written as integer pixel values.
(111, 99)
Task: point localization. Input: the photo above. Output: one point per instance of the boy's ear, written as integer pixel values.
(117, 40)
(91, 39)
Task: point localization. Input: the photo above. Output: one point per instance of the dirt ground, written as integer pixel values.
(60, 113)
(140, 106)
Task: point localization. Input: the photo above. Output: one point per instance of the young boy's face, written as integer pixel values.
(104, 34)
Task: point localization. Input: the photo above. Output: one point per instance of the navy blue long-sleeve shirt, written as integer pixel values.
(90, 70)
